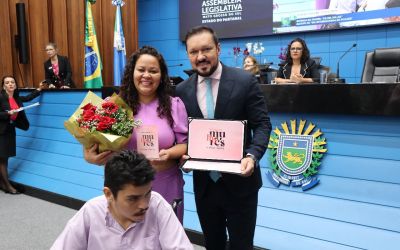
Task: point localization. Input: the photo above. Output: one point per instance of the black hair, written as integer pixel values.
(305, 52)
(129, 93)
(200, 29)
(16, 92)
(127, 167)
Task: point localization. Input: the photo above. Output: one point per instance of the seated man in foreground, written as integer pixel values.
(128, 216)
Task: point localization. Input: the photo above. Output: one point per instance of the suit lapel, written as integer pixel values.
(193, 109)
(226, 85)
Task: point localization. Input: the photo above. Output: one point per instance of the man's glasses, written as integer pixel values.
(296, 48)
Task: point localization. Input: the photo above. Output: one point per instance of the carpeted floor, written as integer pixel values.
(28, 223)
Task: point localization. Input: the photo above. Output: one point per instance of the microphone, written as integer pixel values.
(337, 79)
(176, 65)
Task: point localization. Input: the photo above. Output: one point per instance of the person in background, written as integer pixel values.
(298, 66)
(368, 5)
(146, 88)
(225, 202)
(10, 118)
(57, 69)
(128, 216)
(345, 6)
(392, 4)
(250, 64)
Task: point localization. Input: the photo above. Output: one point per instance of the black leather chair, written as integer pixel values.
(381, 66)
(322, 68)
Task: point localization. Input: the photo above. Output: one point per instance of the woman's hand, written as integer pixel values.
(91, 155)
(11, 112)
(164, 161)
(42, 85)
(297, 78)
(164, 155)
(169, 157)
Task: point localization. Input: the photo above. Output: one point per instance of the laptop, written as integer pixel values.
(216, 145)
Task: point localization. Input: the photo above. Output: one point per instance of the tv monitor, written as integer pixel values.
(244, 18)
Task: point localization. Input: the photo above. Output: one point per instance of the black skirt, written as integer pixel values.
(7, 142)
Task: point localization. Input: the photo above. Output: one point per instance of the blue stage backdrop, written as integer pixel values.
(356, 205)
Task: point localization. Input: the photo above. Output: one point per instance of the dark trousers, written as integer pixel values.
(219, 210)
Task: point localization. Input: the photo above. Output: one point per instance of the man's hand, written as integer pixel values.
(247, 165)
(182, 161)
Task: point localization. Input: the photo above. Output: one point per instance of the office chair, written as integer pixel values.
(323, 68)
(381, 66)
(317, 60)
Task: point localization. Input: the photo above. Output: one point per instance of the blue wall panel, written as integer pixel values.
(355, 206)
(50, 158)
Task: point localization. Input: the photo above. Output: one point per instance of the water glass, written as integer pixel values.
(323, 77)
(273, 75)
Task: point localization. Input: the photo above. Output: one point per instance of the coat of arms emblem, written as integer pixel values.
(295, 155)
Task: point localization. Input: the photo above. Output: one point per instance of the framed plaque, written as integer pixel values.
(216, 145)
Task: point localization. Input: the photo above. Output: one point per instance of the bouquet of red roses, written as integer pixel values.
(107, 123)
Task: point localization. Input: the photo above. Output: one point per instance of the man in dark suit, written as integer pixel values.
(225, 201)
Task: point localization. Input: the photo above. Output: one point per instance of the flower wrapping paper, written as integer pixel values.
(87, 138)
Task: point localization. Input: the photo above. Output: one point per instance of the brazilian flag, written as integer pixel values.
(93, 65)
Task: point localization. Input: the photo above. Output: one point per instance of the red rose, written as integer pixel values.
(88, 115)
(105, 123)
(109, 107)
(89, 106)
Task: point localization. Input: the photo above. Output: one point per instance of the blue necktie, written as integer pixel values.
(210, 115)
(209, 99)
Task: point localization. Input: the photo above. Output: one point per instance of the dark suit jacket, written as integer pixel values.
(239, 98)
(21, 121)
(309, 70)
(65, 73)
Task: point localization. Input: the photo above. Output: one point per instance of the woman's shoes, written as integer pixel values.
(12, 192)
(8, 191)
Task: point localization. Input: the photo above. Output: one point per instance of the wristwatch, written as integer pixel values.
(252, 157)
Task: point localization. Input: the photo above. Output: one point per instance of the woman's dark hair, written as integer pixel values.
(16, 92)
(129, 93)
(305, 52)
(127, 167)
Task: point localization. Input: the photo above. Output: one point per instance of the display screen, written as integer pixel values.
(243, 18)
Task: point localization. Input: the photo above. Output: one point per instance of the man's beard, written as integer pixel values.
(212, 70)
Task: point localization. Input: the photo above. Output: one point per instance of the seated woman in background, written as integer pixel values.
(57, 69)
(298, 67)
(250, 64)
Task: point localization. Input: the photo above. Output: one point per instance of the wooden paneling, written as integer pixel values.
(5, 41)
(76, 25)
(62, 22)
(38, 32)
(59, 25)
